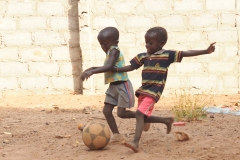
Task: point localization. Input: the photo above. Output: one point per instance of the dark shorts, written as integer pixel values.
(120, 94)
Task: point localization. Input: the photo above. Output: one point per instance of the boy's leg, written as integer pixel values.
(123, 113)
(143, 113)
(155, 119)
(146, 105)
(138, 132)
(107, 111)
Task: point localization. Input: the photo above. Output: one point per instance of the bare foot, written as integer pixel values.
(131, 145)
(169, 124)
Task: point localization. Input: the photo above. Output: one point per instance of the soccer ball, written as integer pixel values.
(96, 135)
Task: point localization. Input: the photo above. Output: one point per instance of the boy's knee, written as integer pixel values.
(106, 111)
(139, 114)
(121, 113)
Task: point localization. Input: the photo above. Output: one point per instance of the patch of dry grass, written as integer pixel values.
(189, 106)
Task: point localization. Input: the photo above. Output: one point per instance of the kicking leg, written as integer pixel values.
(138, 132)
(123, 113)
(155, 119)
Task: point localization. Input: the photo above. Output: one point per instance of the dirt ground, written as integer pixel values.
(29, 125)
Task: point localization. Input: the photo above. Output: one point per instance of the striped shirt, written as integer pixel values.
(154, 73)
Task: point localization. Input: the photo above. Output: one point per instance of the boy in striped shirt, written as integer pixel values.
(154, 74)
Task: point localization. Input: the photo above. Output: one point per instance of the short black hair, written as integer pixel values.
(161, 33)
(110, 32)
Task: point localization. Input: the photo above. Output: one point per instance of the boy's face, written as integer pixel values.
(153, 44)
(105, 42)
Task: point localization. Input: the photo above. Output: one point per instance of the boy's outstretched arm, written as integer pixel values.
(192, 53)
(123, 69)
(90, 68)
(113, 56)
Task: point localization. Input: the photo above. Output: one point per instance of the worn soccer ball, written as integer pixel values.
(96, 135)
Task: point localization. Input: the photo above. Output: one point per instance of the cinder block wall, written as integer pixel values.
(39, 47)
(191, 24)
(45, 44)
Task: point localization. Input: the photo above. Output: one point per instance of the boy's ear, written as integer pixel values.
(116, 42)
(162, 43)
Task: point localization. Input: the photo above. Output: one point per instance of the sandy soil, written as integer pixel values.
(29, 125)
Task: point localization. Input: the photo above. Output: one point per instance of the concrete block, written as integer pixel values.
(173, 22)
(238, 5)
(238, 20)
(50, 8)
(7, 24)
(230, 36)
(33, 23)
(156, 6)
(203, 20)
(85, 38)
(130, 52)
(88, 85)
(187, 37)
(47, 38)
(84, 20)
(3, 7)
(17, 39)
(83, 7)
(36, 82)
(42, 68)
(127, 7)
(20, 8)
(177, 81)
(102, 22)
(62, 83)
(201, 81)
(228, 20)
(221, 67)
(9, 53)
(66, 54)
(135, 78)
(190, 67)
(34, 54)
(64, 23)
(8, 83)
(13, 68)
(99, 10)
(220, 5)
(230, 81)
(231, 51)
(99, 82)
(127, 39)
(189, 5)
(69, 68)
(139, 22)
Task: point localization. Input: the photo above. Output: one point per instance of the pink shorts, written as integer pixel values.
(146, 105)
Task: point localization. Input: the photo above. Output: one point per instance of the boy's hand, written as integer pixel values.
(86, 74)
(211, 48)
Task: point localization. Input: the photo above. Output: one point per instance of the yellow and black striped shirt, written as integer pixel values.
(155, 69)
